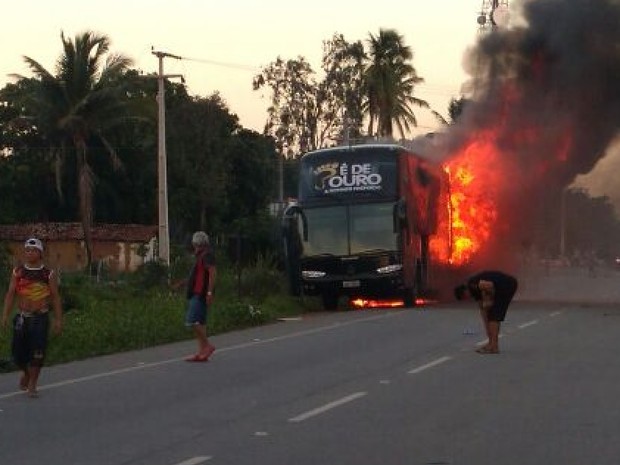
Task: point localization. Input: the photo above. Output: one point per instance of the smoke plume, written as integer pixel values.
(546, 96)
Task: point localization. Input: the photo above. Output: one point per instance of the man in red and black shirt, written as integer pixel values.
(200, 295)
(35, 288)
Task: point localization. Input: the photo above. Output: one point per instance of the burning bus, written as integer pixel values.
(363, 223)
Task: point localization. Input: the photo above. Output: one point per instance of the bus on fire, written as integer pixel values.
(362, 224)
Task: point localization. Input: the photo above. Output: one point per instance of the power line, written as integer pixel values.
(223, 64)
(430, 88)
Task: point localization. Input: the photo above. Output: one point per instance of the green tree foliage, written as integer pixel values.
(21, 197)
(390, 81)
(26, 188)
(293, 116)
(358, 85)
(75, 106)
(307, 113)
(252, 171)
(198, 145)
(218, 172)
(135, 142)
(343, 63)
(220, 175)
(39, 177)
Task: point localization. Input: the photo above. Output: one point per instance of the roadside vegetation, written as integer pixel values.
(140, 310)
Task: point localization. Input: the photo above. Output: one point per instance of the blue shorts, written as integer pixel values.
(196, 311)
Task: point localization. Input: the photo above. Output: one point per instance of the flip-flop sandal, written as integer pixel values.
(486, 350)
(197, 358)
(207, 353)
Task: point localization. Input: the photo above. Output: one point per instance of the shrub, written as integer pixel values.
(141, 311)
(5, 266)
(150, 275)
(228, 316)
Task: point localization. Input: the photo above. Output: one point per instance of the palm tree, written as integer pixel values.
(389, 84)
(77, 104)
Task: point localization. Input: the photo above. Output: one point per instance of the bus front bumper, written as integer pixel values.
(368, 285)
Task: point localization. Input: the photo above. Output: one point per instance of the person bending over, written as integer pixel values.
(493, 290)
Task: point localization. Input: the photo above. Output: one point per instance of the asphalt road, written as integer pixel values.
(359, 387)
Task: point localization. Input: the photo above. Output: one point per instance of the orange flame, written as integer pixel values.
(470, 209)
(361, 303)
(366, 303)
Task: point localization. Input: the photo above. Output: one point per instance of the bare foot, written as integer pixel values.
(23, 382)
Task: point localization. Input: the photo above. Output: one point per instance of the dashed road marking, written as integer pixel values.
(528, 323)
(195, 461)
(327, 407)
(429, 365)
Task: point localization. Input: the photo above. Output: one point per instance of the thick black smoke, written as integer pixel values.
(549, 90)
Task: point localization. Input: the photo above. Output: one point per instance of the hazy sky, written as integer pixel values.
(247, 34)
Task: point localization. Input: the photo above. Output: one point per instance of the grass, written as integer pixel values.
(116, 316)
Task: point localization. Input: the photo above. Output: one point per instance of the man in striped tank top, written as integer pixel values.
(35, 288)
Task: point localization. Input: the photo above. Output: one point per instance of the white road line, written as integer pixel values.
(95, 376)
(529, 323)
(429, 365)
(555, 313)
(142, 365)
(195, 461)
(307, 332)
(326, 407)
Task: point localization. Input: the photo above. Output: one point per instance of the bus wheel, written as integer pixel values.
(330, 300)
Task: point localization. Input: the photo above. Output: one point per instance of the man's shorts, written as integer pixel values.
(196, 311)
(30, 335)
(503, 297)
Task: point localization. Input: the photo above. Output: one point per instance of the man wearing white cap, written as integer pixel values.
(200, 295)
(36, 288)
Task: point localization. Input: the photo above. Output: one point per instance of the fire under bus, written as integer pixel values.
(362, 224)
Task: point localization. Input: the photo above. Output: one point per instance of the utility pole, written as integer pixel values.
(283, 153)
(493, 14)
(162, 187)
(563, 223)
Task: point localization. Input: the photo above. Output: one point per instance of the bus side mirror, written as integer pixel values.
(290, 215)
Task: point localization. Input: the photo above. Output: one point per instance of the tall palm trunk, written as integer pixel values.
(85, 188)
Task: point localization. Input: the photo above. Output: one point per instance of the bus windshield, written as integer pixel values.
(350, 229)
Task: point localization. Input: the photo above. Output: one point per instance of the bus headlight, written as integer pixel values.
(389, 269)
(312, 274)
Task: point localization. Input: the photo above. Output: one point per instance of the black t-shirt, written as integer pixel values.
(504, 285)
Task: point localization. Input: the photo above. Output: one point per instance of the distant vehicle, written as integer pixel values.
(362, 223)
